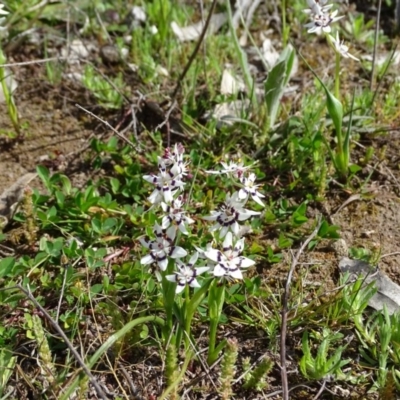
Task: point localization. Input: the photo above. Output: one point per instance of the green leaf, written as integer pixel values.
(44, 175)
(7, 364)
(284, 242)
(335, 110)
(97, 288)
(276, 82)
(6, 265)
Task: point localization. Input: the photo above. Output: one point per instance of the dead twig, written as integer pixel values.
(285, 300)
(320, 391)
(195, 51)
(23, 63)
(166, 122)
(57, 327)
(134, 391)
(124, 138)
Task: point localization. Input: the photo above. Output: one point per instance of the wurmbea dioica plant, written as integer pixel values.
(322, 19)
(189, 274)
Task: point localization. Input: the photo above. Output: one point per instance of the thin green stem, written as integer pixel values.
(337, 75)
(187, 317)
(284, 27)
(216, 300)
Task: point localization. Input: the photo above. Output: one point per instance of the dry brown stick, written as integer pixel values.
(134, 390)
(285, 300)
(195, 51)
(320, 391)
(44, 60)
(57, 327)
(123, 137)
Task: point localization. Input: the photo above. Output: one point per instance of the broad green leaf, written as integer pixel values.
(276, 82)
(6, 265)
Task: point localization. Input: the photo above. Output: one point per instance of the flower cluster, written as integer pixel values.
(168, 194)
(321, 20)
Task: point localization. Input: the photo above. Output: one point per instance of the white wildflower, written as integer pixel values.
(322, 22)
(235, 169)
(186, 273)
(229, 214)
(250, 189)
(229, 262)
(161, 248)
(166, 184)
(176, 215)
(341, 48)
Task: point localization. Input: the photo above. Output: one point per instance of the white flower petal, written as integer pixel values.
(213, 254)
(258, 200)
(201, 270)
(194, 284)
(144, 243)
(193, 258)
(171, 233)
(158, 276)
(183, 229)
(239, 246)
(167, 194)
(150, 178)
(224, 230)
(163, 264)
(235, 228)
(246, 262)
(214, 215)
(147, 259)
(227, 241)
(171, 278)
(246, 214)
(214, 228)
(179, 288)
(165, 223)
(219, 271)
(155, 197)
(178, 252)
(237, 274)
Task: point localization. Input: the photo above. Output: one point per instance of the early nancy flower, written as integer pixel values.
(174, 155)
(174, 158)
(322, 22)
(250, 189)
(186, 274)
(341, 48)
(236, 169)
(166, 184)
(317, 7)
(229, 262)
(161, 248)
(176, 215)
(228, 215)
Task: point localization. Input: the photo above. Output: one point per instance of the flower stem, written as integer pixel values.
(215, 303)
(187, 317)
(337, 75)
